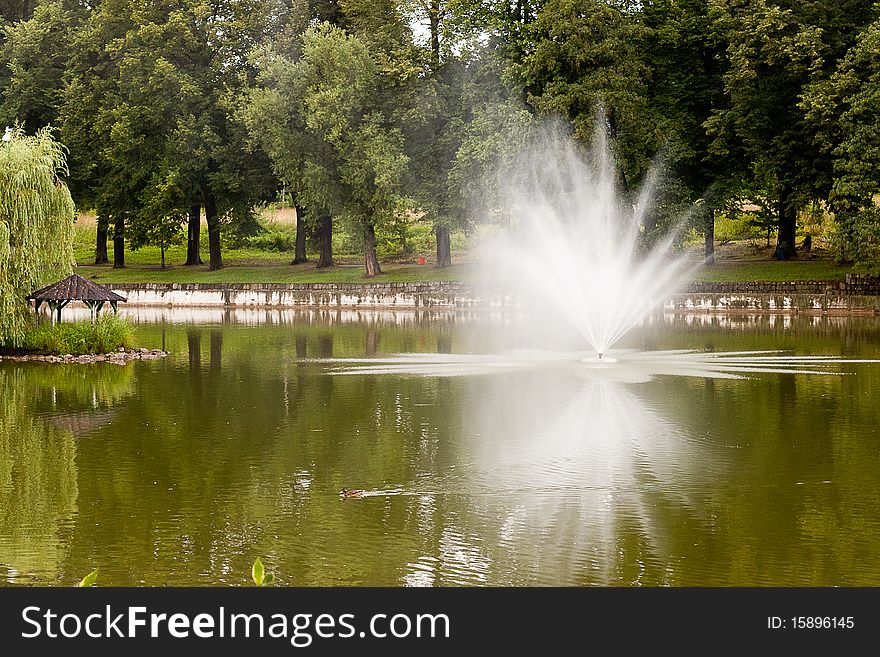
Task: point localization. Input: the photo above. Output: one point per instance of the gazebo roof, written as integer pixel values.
(75, 288)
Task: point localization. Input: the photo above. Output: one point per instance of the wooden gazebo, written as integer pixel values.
(75, 288)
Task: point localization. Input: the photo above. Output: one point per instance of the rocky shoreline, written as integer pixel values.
(118, 357)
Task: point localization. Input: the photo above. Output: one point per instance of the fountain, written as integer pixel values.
(577, 248)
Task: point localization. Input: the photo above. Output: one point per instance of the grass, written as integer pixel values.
(737, 261)
(105, 335)
(272, 273)
(772, 271)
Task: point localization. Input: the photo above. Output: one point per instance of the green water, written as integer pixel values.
(183, 471)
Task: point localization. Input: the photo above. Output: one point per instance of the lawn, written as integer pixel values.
(772, 270)
(734, 264)
(271, 272)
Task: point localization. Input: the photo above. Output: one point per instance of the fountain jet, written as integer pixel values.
(579, 249)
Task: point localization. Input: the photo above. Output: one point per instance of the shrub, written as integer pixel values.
(272, 240)
(109, 332)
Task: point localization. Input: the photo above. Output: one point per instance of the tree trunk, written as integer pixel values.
(101, 243)
(193, 231)
(118, 243)
(787, 223)
(709, 236)
(444, 248)
(215, 259)
(325, 237)
(299, 255)
(162, 255)
(370, 260)
(434, 26)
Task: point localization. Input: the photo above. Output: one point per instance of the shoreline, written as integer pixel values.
(119, 357)
(858, 294)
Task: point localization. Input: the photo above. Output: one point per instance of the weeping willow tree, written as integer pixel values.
(36, 224)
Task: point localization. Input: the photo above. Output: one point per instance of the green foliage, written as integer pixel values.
(259, 574)
(771, 57)
(323, 122)
(89, 580)
(34, 51)
(36, 225)
(487, 158)
(843, 109)
(106, 334)
(581, 56)
(276, 240)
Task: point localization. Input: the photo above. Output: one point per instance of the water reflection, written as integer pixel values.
(575, 467)
(182, 471)
(38, 488)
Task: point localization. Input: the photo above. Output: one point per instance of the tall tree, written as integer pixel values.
(347, 158)
(844, 110)
(685, 51)
(771, 58)
(35, 52)
(36, 225)
(580, 55)
(444, 105)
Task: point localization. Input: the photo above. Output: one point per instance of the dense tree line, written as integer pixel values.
(373, 113)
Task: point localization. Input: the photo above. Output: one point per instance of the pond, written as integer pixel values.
(183, 471)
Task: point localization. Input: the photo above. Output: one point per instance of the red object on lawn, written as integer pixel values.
(421, 260)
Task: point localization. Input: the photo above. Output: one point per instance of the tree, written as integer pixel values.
(685, 51)
(90, 91)
(487, 159)
(16, 10)
(35, 54)
(36, 225)
(321, 120)
(771, 58)
(149, 106)
(580, 55)
(843, 110)
(154, 224)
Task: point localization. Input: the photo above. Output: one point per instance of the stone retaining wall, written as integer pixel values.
(858, 293)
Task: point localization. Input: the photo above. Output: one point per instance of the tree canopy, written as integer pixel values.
(36, 225)
(378, 115)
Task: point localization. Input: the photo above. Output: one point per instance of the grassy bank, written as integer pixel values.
(107, 334)
(742, 261)
(273, 272)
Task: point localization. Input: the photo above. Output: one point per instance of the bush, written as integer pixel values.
(108, 333)
(274, 240)
(857, 239)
